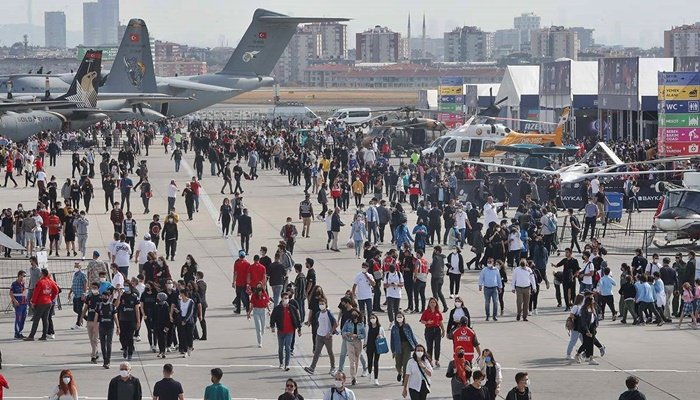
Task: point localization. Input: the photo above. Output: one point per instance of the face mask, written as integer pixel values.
(321, 307)
(487, 359)
(188, 262)
(285, 301)
(169, 285)
(364, 269)
(94, 291)
(458, 304)
(103, 279)
(76, 269)
(399, 319)
(338, 384)
(66, 380)
(419, 354)
(123, 373)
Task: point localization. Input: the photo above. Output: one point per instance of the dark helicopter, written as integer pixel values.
(405, 128)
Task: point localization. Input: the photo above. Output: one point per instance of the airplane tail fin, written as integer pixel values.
(83, 89)
(264, 42)
(132, 70)
(559, 131)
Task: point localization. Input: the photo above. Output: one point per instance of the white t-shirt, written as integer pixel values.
(460, 220)
(595, 186)
(490, 213)
(587, 268)
(324, 324)
(122, 252)
(145, 247)
(172, 191)
(118, 280)
(514, 242)
(41, 176)
(394, 291)
(415, 376)
(111, 248)
(364, 288)
(454, 264)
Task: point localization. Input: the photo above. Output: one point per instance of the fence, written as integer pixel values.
(61, 270)
(620, 241)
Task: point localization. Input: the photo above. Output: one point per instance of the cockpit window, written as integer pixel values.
(689, 200)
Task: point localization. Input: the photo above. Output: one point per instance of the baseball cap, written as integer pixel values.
(95, 253)
(241, 253)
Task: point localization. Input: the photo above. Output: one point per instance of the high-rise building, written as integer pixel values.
(468, 44)
(526, 23)
(92, 33)
(554, 42)
(682, 41)
(306, 45)
(55, 29)
(585, 37)
(101, 23)
(109, 15)
(379, 44)
(334, 39)
(507, 40)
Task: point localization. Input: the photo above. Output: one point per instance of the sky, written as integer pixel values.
(211, 23)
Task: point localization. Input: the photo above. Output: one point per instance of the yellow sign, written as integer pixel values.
(690, 92)
(450, 90)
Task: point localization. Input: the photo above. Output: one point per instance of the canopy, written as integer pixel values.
(519, 80)
(10, 243)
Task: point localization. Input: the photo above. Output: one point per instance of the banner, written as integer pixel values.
(451, 97)
(618, 83)
(555, 78)
(451, 120)
(679, 113)
(450, 90)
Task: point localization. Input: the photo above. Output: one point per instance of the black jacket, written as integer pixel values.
(461, 261)
(452, 324)
(117, 381)
(245, 225)
(276, 317)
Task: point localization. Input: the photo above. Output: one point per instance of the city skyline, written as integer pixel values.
(225, 21)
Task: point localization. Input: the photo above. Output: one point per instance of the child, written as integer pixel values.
(688, 298)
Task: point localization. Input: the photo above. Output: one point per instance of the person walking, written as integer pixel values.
(336, 223)
(245, 230)
(459, 371)
(434, 330)
(18, 297)
(403, 341)
(523, 283)
(106, 316)
(43, 296)
(455, 269)
(289, 233)
(492, 373)
(285, 319)
(393, 285)
(306, 214)
(358, 234)
(491, 284)
(168, 388)
(375, 337)
(259, 308)
(125, 386)
(354, 333)
(339, 391)
(169, 234)
(416, 380)
(78, 292)
(130, 315)
(186, 315)
(225, 212)
(437, 276)
(420, 278)
(522, 389)
(326, 326)
(362, 289)
(587, 326)
(66, 389)
(162, 323)
(216, 391)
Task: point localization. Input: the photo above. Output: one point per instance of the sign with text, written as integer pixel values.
(679, 113)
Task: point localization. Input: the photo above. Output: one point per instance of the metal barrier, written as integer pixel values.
(620, 241)
(61, 270)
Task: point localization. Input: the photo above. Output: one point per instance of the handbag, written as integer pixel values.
(381, 345)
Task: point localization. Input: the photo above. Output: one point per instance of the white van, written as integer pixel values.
(351, 116)
(293, 110)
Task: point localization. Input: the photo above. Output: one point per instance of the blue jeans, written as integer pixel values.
(284, 347)
(276, 293)
(491, 296)
(573, 340)
(20, 318)
(365, 307)
(584, 286)
(259, 319)
(462, 237)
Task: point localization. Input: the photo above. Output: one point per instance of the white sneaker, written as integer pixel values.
(535, 312)
(52, 336)
(74, 327)
(592, 361)
(376, 382)
(137, 338)
(281, 366)
(569, 357)
(364, 373)
(259, 345)
(578, 358)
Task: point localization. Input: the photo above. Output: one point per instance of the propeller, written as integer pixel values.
(494, 109)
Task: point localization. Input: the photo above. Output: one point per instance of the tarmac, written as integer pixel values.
(664, 358)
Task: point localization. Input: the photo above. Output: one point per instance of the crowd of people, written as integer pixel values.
(110, 297)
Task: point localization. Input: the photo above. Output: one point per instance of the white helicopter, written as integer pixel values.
(580, 171)
(678, 215)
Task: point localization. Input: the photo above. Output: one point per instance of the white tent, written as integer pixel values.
(518, 81)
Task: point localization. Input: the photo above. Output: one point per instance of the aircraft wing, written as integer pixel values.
(184, 85)
(657, 161)
(33, 105)
(599, 174)
(142, 97)
(512, 167)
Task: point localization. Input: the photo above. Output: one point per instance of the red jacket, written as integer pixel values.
(45, 291)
